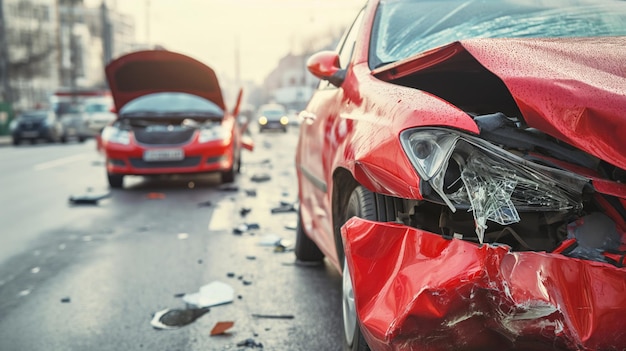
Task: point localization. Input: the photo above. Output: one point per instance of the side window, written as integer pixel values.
(345, 48)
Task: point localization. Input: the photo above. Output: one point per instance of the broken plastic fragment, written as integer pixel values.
(182, 236)
(284, 207)
(176, 318)
(221, 328)
(88, 199)
(270, 240)
(212, 294)
(260, 177)
(250, 343)
(273, 316)
(155, 196)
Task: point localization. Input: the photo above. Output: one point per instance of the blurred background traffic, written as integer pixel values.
(53, 54)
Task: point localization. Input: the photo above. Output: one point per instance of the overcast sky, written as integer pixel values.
(207, 30)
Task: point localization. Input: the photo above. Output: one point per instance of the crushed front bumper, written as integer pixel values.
(415, 290)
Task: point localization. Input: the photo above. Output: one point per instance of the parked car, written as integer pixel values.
(272, 116)
(463, 165)
(171, 119)
(98, 114)
(34, 125)
(73, 118)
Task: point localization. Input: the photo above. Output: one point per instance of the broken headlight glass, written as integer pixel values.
(468, 172)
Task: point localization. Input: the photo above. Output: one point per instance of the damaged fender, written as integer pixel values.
(416, 290)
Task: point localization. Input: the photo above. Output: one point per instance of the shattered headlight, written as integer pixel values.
(113, 134)
(469, 172)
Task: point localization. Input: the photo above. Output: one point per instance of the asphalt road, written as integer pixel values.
(85, 277)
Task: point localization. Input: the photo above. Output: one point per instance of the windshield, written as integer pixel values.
(403, 28)
(34, 115)
(171, 104)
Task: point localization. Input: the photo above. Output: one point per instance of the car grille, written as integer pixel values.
(30, 125)
(187, 162)
(164, 137)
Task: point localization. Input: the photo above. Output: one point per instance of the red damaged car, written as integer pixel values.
(171, 119)
(463, 164)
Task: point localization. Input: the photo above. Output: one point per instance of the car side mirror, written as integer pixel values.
(325, 65)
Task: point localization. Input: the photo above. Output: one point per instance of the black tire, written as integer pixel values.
(81, 139)
(306, 250)
(64, 139)
(116, 181)
(16, 141)
(362, 204)
(228, 176)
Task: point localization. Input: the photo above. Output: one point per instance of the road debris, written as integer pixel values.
(182, 236)
(229, 187)
(251, 192)
(251, 343)
(212, 294)
(88, 199)
(244, 211)
(273, 316)
(155, 196)
(221, 328)
(260, 177)
(284, 207)
(245, 227)
(269, 240)
(251, 257)
(205, 204)
(176, 318)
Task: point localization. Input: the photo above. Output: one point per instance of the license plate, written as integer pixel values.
(30, 134)
(163, 155)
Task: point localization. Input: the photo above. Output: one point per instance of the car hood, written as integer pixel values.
(146, 72)
(573, 89)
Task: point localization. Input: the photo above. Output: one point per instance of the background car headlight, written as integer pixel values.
(113, 134)
(262, 120)
(216, 132)
(13, 125)
(284, 120)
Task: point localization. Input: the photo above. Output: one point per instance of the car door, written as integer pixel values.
(316, 149)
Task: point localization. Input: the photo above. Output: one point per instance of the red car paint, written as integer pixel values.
(419, 291)
(415, 290)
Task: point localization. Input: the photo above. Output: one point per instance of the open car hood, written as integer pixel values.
(146, 72)
(573, 89)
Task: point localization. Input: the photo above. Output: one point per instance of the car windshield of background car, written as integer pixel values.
(171, 104)
(404, 28)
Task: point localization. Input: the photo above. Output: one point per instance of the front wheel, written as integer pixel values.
(306, 250)
(362, 204)
(228, 176)
(116, 181)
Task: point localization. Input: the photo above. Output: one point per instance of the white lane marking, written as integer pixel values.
(59, 162)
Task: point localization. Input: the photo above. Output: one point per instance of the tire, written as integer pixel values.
(228, 176)
(16, 141)
(306, 250)
(116, 181)
(362, 204)
(64, 139)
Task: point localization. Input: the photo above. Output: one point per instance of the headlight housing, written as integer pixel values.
(284, 120)
(262, 120)
(469, 172)
(211, 133)
(113, 134)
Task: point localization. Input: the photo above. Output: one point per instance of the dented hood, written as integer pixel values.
(146, 72)
(573, 89)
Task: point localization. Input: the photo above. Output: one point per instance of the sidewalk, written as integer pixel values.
(5, 140)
